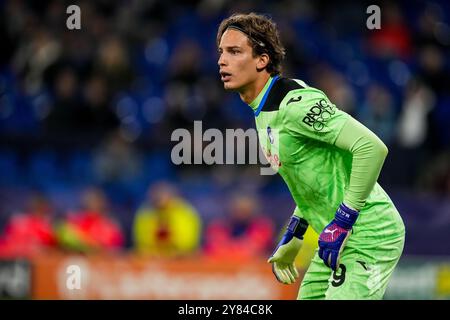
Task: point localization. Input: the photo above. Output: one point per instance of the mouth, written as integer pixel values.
(225, 76)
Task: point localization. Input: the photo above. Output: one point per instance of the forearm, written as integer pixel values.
(297, 212)
(369, 153)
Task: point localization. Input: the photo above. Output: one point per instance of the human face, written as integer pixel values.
(238, 66)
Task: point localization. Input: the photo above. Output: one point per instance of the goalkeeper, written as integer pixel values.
(329, 161)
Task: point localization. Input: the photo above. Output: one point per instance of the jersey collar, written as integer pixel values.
(260, 100)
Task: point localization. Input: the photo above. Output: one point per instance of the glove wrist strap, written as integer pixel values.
(345, 217)
(297, 226)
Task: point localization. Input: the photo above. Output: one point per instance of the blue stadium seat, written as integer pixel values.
(158, 165)
(9, 168)
(79, 167)
(43, 168)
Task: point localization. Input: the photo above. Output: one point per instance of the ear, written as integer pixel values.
(263, 61)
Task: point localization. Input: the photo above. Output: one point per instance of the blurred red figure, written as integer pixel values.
(29, 232)
(244, 235)
(394, 38)
(91, 229)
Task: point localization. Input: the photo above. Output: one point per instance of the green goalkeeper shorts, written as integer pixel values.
(363, 273)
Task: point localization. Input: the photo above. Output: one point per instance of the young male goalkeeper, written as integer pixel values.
(329, 161)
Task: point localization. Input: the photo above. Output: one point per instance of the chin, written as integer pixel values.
(229, 86)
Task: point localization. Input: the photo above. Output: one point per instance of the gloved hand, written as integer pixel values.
(283, 257)
(333, 238)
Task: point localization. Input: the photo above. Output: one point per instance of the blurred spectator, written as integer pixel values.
(114, 64)
(167, 225)
(432, 68)
(83, 112)
(432, 27)
(413, 120)
(116, 159)
(335, 86)
(393, 39)
(435, 175)
(184, 100)
(92, 229)
(66, 115)
(99, 118)
(34, 56)
(30, 232)
(185, 63)
(244, 234)
(378, 113)
(413, 131)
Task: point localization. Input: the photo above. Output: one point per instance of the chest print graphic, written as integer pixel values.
(270, 135)
(319, 114)
(271, 149)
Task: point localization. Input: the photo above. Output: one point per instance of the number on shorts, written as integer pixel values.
(338, 280)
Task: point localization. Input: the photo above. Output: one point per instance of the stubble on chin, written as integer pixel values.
(228, 87)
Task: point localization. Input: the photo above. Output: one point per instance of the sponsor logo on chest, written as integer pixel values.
(319, 114)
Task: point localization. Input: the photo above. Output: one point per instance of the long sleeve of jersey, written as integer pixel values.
(324, 155)
(369, 153)
(316, 118)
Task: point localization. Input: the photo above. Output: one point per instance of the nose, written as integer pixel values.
(221, 62)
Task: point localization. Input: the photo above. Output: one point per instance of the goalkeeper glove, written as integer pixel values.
(333, 238)
(283, 257)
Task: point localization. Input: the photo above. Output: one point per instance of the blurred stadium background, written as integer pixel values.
(86, 118)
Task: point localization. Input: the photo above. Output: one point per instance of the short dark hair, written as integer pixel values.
(263, 37)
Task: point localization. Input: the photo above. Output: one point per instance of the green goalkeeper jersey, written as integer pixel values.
(319, 151)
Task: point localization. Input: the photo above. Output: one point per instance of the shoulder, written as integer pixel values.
(280, 90)
(305, 101)
(310, 112)
(286, 92)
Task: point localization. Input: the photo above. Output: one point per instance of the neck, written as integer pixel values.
(251, 91)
